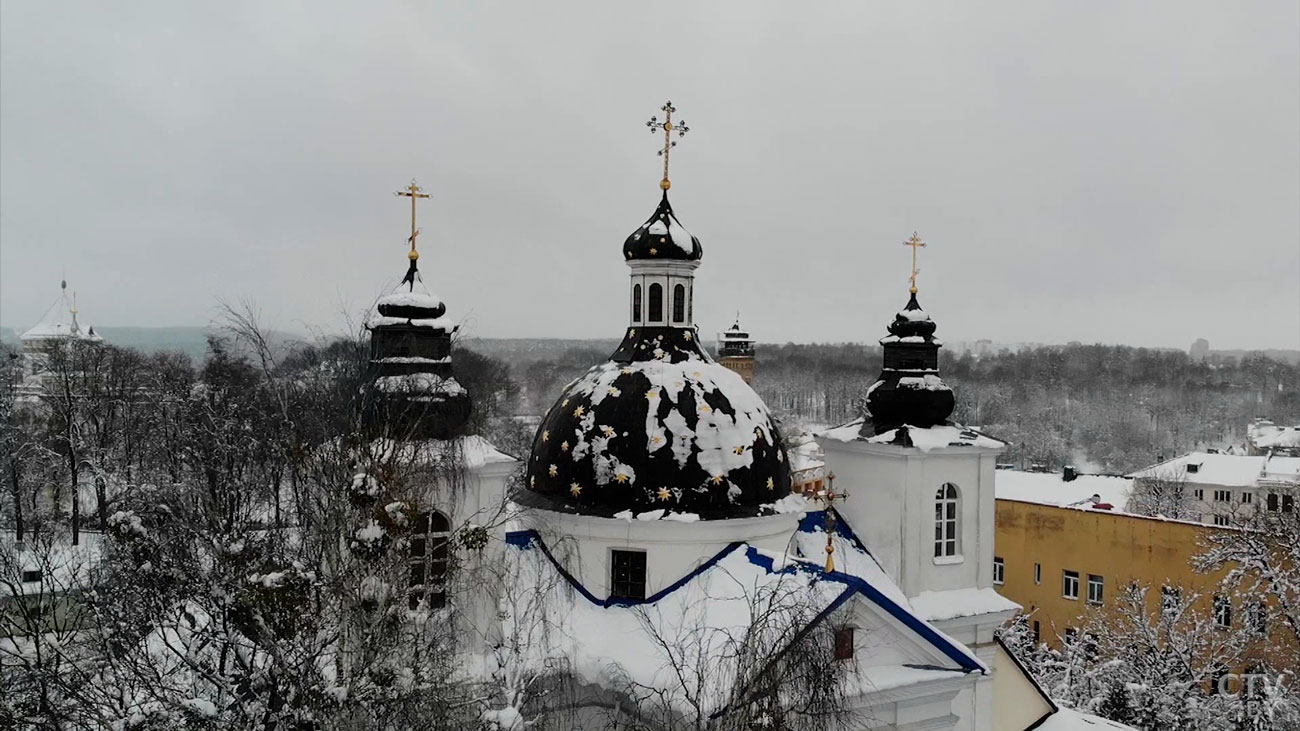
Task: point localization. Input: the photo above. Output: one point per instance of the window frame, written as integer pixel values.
(1038, 573)
(429, 586)
(636, 303)
(679, 304)
(1222, 609)
(844, 643)
(947, 524)
(655, 303)
(999, 571)
(628, 587)
(1223, 496)
(1099, 582)
(1068, 577)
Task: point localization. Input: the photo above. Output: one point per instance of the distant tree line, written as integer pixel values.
(1105, 408)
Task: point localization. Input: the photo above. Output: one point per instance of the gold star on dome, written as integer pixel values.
(771, 485)
(564, 447)
(626, 371)
(688, 335)
(697, 375)
(621, 478)
(656, 439)
(706, 408)
(663, 240)
(575, 489)
(717, 479)
(664, 494)
(653, 251)
(546, 435)
(614, 391)
(554, 470)
(632, 332)
(579, 411)
(740, 450)
(651, 395)
(609, 431)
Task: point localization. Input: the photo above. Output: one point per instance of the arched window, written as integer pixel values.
(636, 303)
(679, 303)
(656, 302)
(428, 560)
(945, 521)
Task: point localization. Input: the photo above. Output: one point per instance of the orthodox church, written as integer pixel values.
(59, 324)
(654, 551)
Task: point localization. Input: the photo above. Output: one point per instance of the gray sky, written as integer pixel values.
(1115, 172)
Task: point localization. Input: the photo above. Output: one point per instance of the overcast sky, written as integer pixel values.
(1104, 172)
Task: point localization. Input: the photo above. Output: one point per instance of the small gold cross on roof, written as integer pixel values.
(668, 127)
(916, 243)
(828, 496)
(413, 192)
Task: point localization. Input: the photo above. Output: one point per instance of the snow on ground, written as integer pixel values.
(1049, 488)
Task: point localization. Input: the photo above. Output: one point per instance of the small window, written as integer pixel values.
(1222, 496)
(1090, 647)
(1258, 618)
(627, 574)
(636, 303)
(1193, 468)
(427, 560)
(1096, 589)
(1220, 519)
(945, 521)
(1169, 598)
(1038, 633)
(1288, 503)
(1273, 501)
(1246, 497)
(679, 303)
(1070, 584)
(1038, 573)
(30, 575)
(1071, 636)
(1222, 611)
(999, 570)
(1198, 493)
(656, 302)
(844, 643)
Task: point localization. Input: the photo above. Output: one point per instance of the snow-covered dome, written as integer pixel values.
(60, 322)
(658, 426)
(662, 236)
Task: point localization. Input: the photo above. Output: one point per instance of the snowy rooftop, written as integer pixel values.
(935, 437)
(1229, 470)
(59, 321)
(1049, 488)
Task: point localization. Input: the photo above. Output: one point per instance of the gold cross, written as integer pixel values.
(916, 243)
(667, 126)
(828, 496)
(412, 191)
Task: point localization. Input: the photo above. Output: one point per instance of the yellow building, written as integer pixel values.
(1063, 549)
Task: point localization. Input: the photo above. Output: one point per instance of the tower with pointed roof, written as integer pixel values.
(413, 390)
(922, 491)
(736, 350)
(59, 324)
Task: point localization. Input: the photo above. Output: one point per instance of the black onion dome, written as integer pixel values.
(662, 236)
(909, 389)
(410, 300)
(658, 426)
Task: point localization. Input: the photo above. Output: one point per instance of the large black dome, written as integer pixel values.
(658, 426)
(662, 236)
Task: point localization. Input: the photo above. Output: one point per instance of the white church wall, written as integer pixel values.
(673, 549)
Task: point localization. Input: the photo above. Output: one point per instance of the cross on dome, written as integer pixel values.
(413, 192)
(916, 243)
(668, 128)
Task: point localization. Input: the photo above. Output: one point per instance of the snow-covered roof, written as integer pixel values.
(1068, 719)
(59, 321)
(1050, 488)
(714, 599)
(473, 449)
(1229, 470)
(935, 437)
(936, 606)
(60, 564)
